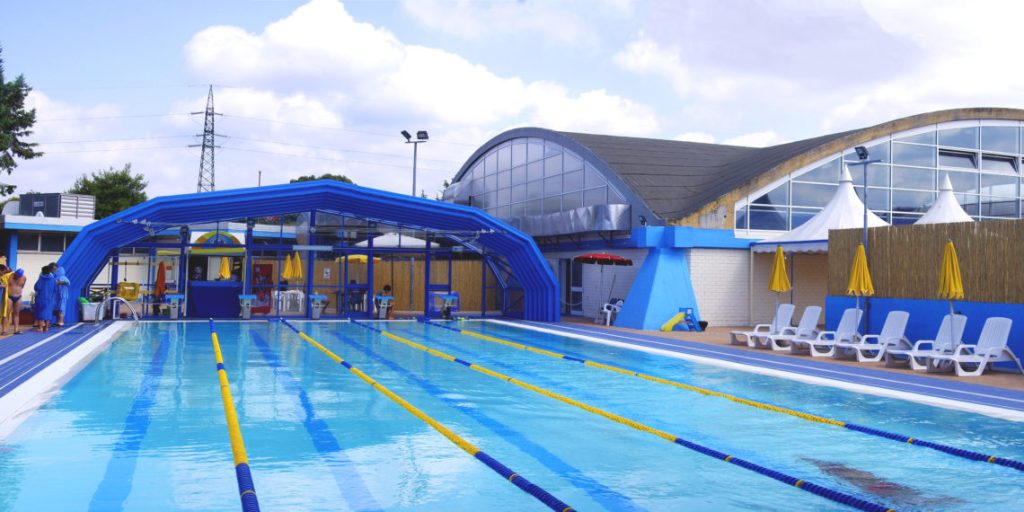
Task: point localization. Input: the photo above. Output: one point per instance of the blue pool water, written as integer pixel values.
(142, 428)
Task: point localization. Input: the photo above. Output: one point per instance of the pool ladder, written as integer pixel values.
(113, 301)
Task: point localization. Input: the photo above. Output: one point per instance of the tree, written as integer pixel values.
(439, 195)
(326, 176)
(115, 190)
(15, 124)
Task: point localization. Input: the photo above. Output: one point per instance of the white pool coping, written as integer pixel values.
(17, 405)
(987, 410)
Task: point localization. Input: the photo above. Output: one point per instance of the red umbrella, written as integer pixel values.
(600, 258)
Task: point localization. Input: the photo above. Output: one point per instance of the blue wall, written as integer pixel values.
(925, 316)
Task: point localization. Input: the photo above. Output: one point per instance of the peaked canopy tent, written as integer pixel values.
(395, 240)
(88, 254)
(844, 211)
(946, 208)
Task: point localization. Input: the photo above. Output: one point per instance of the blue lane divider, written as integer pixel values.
(609, 498)
(831, 494)
(348, 480)
(246, 487)
(116, 483)
(514, 478)
(951, 450)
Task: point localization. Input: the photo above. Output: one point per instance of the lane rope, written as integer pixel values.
(515, 478)
(825, 492)
(951, 450)
(246, 487)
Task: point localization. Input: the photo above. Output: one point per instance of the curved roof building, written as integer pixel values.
(551, 183)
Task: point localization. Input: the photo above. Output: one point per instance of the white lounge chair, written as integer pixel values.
(824, 345)
(807, 329)
(917, 355)
(872, 347)
(783, 320)
(991, 348)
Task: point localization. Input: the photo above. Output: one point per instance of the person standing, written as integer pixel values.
(15, 288)
(60, 298)
(46, 290)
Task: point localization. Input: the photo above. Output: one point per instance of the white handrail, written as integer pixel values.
(103, 305)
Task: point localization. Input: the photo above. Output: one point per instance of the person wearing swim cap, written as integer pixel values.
(15, 287)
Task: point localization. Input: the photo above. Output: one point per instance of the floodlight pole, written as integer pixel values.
(421, 137)
(862, 155)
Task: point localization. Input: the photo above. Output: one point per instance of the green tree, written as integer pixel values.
(326, 176)
(15, 125)
(115, 190)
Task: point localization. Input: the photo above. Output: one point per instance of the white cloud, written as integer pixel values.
(706, 138)
(755, 139)
(644, 55)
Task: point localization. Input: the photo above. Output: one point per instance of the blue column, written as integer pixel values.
(426, 279)
(12, 250)
(661, 288)
(247, 284)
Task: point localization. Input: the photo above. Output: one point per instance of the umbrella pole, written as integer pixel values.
(953, 342)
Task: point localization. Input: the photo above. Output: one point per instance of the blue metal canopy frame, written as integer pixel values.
(88, 254)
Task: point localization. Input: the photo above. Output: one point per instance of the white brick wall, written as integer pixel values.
(721, 283)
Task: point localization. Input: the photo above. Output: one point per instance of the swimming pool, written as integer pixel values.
(142, 428)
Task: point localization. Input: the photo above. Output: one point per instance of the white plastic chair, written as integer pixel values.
(824, 345)
(917, 355)
(807, 329)
(991, 348)
(872, 347)
(783, 320)
(611, 310)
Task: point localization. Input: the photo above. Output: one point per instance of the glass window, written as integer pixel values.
(553, 165)
(964, 181)
(553, 204)
(594, 178)
(491, 182)
(998, 206)
(878, 198)
(535, 190)
(518, 175)
(491, 163)
(999, 138)
(478, 169)
(959, 137)
(535, 171)
(505, 179)
(807, 194)
(878, 174)
(518, 193)
(572, 161)
(534, 150)
(911, 201)
(824, 173)
(904, 218)
(999, 185)
(960, 159)
(572, 181)
(52, 243)
(968, 202)
(517, 210)
(477, 186)
(518, 152)
(551, 149)
(741, 218)
(801, 215)
(505, 158)
(535, 207)
(595, 196)
(774, 219)
(878, 151)
(909, 177)
(615, 197)
(921, 138)
(777, 197)
(504, 196)
(923, 156)
(1007, 164)
(572, 200)
(552, 186)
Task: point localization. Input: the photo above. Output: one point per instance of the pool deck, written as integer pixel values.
(28, 353)
(993, 389)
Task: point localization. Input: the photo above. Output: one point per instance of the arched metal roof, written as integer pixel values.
(89, 252)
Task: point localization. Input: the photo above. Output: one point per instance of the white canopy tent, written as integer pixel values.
(844, 211)
(395, 240)
(946, 208)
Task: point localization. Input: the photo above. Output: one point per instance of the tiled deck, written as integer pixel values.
(994, 389)
(26, 354)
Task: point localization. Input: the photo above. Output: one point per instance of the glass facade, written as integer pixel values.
(982, 159)
(525, 177)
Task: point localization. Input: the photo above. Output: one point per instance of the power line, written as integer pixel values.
(155, 137)
(330, 128)
(101, 118)
(340, 160)
(111, 149)
(395, 155)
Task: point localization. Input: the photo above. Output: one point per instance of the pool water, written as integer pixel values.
(142, 428)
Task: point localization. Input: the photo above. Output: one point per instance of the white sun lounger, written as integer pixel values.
(783, 320)
(807, 329)
(917, 355)
(872, 347)
(991, 348)
(824, 345)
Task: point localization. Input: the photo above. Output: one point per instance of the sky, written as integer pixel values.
(318, 86)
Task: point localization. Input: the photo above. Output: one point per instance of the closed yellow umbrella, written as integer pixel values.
(951, 286)
(356, 258)
(779, 279)
(860, 278)
(297, 266)
(225, 268)
(286, 270)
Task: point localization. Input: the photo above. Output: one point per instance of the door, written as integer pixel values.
(572, 286)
